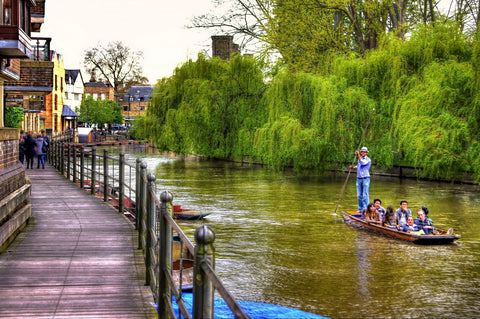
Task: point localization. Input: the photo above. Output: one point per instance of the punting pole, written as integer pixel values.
(353, 162)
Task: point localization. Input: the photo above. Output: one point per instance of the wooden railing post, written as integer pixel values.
(121, 181)
(151, 208)
(203, 287)
(138, 176)
(164, 256)
(94, 165)
(105, 175)
(82, 167)
(74, 163)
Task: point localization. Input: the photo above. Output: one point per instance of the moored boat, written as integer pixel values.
(188, 214)
(443, 237)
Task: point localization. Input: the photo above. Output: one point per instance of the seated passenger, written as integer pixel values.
(403, 212)
(372, 215)
(378, 205)
(390, 218)
(422, 222)
(410, 226)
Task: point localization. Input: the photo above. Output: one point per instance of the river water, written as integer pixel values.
(279, 240)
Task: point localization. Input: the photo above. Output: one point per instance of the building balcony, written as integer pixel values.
(15, 43)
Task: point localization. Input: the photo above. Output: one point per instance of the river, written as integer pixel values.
(279, 240)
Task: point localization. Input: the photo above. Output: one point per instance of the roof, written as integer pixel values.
(139, 93)
(67, 111)
(95, 84)
(71, 76)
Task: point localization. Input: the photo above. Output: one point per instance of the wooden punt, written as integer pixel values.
(443, 237)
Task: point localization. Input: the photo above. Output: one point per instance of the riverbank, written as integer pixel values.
(400, 171)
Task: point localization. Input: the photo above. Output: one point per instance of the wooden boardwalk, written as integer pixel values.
(77, 258)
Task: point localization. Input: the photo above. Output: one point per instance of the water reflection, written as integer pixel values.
(279, 241)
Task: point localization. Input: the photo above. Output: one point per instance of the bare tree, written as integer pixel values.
(116, 63)
(247, 19)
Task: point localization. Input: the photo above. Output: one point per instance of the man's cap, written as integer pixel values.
(364, 149)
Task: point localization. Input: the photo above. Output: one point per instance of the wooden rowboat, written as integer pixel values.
(190, 214)
(443, 237)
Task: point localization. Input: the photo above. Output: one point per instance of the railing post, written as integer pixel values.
(94, 165)
(164, 255)
(68, 161)
(138, 177)
(141, 207)
(82, 167)
(151, 208)
(55, 153)
(121, 181)
(62, 158)
(105, 175)
(74, 163)
(203, 287)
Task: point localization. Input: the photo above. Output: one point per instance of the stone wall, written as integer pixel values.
(12, 173)
(15, 209)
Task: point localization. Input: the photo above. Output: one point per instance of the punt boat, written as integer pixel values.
(443, 237)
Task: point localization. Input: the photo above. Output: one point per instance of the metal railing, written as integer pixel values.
(132, 191)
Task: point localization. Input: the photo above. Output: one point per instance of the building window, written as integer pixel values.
(95, 96)
(7, 12)
(66, 95)
(76, 97)
(56, 102)
(104, 96)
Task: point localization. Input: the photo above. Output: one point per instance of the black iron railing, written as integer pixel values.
(166, 249)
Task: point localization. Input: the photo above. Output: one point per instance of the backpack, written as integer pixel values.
(44, 147)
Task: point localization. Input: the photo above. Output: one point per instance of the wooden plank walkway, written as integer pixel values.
(77, 258)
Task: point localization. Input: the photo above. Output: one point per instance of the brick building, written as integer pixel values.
(223, 46)
(18, 19)
(135, 101)
(99, 90)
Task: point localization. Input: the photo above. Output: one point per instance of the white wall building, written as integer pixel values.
(74, 89)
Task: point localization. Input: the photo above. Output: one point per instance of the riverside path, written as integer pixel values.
(77, 258)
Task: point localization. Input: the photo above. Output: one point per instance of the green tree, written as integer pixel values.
(13, 116)
(100, 111)
(208, 107)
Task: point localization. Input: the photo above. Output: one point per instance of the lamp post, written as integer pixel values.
(138, 92)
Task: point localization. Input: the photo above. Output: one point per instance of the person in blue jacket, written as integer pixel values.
(422, 222)
(363, 178)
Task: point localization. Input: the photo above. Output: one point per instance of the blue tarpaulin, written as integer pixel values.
(256, 310)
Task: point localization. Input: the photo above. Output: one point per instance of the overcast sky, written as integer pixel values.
(155, 27)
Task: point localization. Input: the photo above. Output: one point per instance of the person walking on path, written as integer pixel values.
(363, 177)
(30, 145)
(21, 147)
(46, 140)
(40, 151)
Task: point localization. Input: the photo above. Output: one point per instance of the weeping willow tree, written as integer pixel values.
(313, 122)
(425, 92)
(209, 107)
